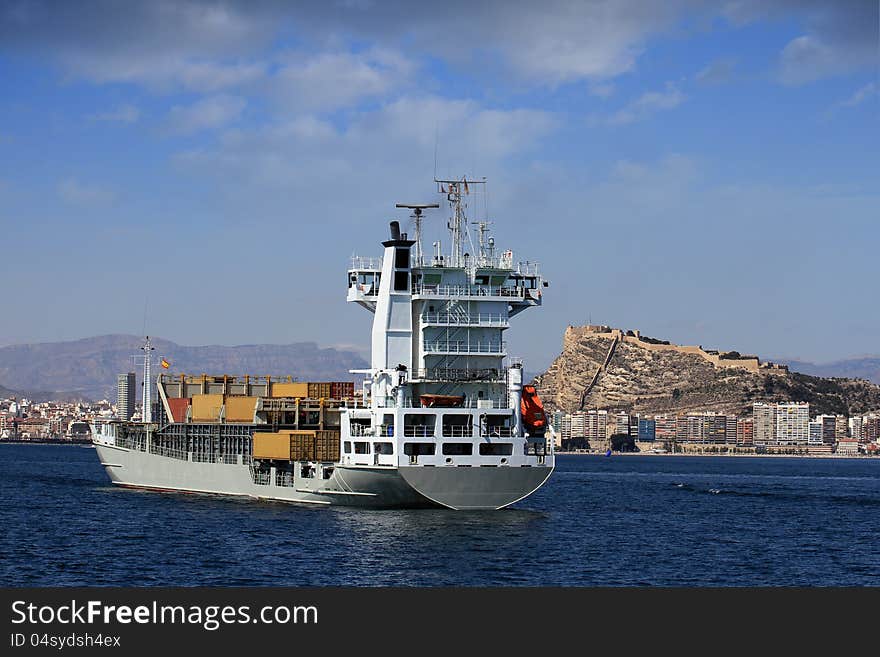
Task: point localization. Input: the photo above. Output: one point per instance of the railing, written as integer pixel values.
(260, 477)
(167, 451)
(361, 430)
(460, 374)
(362, 263)
(467, 290)
(456, 431)
(480, 319)
(496, 432)
(465, 347)
(391, 402)
(283, 478)
(386, 430)
(418, 431)
(202, 457)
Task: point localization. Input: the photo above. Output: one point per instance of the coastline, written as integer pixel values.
(716, 455)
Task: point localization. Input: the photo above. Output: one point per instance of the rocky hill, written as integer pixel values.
(611, 369)
(89, 367)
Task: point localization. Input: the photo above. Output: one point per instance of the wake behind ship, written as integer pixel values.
(440, 419)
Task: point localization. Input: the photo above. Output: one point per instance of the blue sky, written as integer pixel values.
(704, 171)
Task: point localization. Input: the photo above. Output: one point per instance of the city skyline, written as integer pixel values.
(705, 173)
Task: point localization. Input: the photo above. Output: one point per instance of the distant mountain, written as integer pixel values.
(852, 368)
(39, 395)
(89, 367)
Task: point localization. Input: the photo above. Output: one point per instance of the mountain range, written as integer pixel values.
(867, 367)
(88, 368)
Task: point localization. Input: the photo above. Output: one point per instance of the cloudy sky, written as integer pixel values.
(704, 171)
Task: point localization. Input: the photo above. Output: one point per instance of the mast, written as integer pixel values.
(417, 225)
(458, 222)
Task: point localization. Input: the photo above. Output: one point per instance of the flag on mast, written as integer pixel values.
(465, 186)
(165, 364)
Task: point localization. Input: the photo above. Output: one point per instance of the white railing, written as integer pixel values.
(465, 347)
(480, 319)
(361, 263)
(468, 290)
(418, 431)
(391, 402)
(360, 430)
(455, 431)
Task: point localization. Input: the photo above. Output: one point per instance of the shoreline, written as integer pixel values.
(716, 455)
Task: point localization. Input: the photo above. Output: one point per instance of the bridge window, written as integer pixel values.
(361, 447)
(346, 447)
(383, 448)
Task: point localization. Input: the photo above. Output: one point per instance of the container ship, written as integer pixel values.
(441, 418)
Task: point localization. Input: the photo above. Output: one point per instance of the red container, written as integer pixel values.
(341, 390)
(178, 407)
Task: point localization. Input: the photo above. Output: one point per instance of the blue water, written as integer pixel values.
(625, 520)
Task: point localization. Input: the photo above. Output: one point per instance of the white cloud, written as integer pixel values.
(332, 80)
(82, 194)
(208, 113)
(861, 95)
(717, 72)
(122, 114)
(645, 106)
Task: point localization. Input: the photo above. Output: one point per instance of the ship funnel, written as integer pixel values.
(395, 230)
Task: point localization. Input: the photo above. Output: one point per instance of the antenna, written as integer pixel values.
(453, 189)
(417, 222)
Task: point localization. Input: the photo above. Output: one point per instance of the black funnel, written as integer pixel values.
(395, 230)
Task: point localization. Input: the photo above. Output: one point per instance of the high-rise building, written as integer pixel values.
(855, 428)
(829, 428)
(871, 428)
(792, 423)
(816, 432)
(745, 432)
(664, 427)
(765, 423)
(730, 431)
(126, 393)
(647, 430)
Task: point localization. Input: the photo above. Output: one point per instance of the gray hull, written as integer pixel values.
(368, 486)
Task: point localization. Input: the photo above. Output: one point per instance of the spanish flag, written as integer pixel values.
(165, 364)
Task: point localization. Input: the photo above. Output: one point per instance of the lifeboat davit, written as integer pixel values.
(533, 416)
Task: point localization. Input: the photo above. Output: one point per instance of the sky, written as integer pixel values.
(706, 172)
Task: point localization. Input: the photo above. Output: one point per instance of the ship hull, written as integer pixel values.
(371, 487)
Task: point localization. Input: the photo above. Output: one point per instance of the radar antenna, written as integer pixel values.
(417, 223)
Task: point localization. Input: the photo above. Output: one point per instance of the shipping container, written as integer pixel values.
(240, 409)
(302, 445)
(326, 445)
(319, 390)
(341, 389)
(206, 408)
(178, 406)
(290, 390)
(272, 446)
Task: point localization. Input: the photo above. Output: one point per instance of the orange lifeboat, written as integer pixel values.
(533, 416)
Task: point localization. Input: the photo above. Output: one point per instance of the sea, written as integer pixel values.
(621, 521)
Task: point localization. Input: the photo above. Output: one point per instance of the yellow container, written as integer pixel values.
(302, 445)
(290, 390)
(240, 409)
(206, 408)
(318, 390)
(272, 446)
